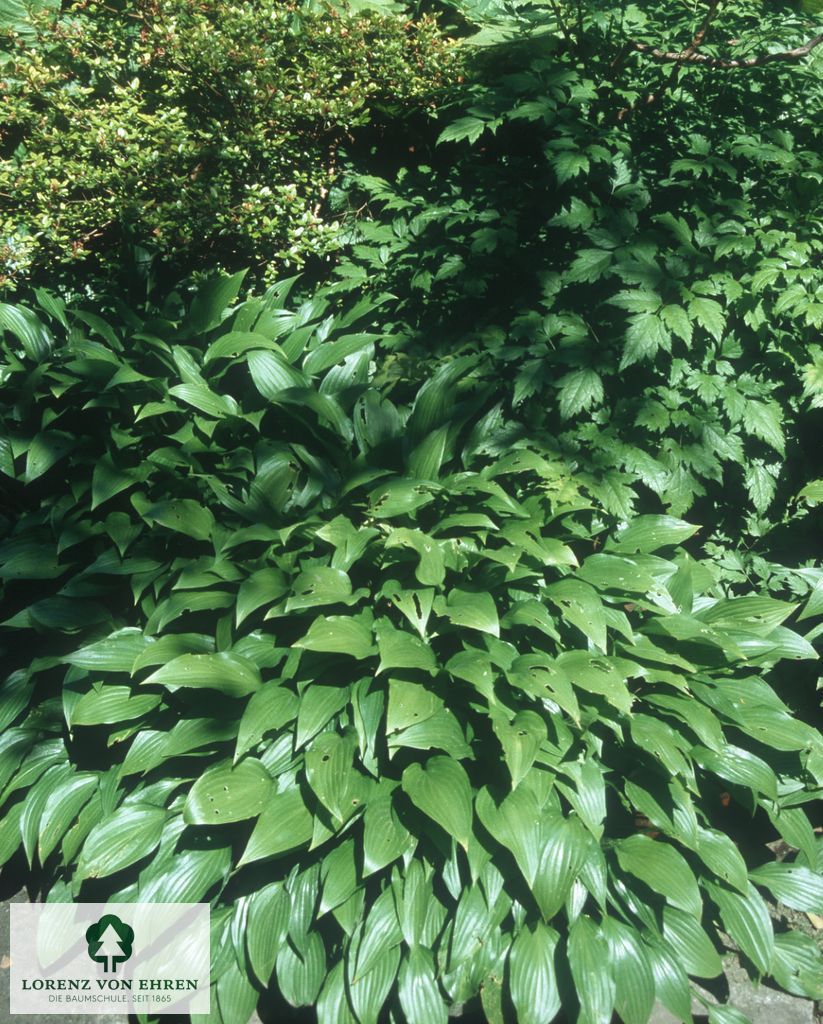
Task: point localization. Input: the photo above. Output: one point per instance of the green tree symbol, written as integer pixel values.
(109, 942)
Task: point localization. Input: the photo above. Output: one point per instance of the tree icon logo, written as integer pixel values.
(110, 942)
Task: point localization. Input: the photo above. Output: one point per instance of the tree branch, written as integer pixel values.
(688, 56)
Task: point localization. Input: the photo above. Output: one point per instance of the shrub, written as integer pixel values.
(636, 243)
(206, 132)
(379, 678)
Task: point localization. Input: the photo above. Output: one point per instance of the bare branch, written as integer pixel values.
(688, 56)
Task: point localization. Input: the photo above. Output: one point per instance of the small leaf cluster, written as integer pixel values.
(378, 676)
(203, 133)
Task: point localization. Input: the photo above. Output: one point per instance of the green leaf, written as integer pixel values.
(225, 793)
(645, 336)
(431, 569)
(763, 420)
(45, 450)
(384, 837)
(62, 808)
(532, 978)
(792, 884)
(709, 314)
(649, 533)
(269, 709)
(211, 301)
(588, 955)
(690, 944)
(29, 330)
(579, 391)
(747, 920)
(469, 128)
(128, 835)
(284, 825)
(115, 653)
(340, 634)
(663, 869)
(182, 515)
(633, 976)
(266, 926)
(474, 610)
(740, 767)
(726, 1015)
(720, 855)
(317, 706)
(111, 704)
(580, 605)
(442, 791)
(520, 739)
(419, 993)
(399, 649)
(228, 673)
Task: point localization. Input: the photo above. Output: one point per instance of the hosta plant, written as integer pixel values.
(370, 669)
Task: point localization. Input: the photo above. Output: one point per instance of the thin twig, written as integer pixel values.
(688, 57)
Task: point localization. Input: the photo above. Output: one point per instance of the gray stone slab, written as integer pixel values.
(5, 962)
(761, 1004)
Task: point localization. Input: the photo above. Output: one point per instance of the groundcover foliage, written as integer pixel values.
(381, 679)
(437, 624)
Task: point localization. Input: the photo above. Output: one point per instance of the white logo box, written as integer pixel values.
(103, 958)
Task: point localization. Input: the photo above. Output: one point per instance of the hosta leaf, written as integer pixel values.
(633, 976)
(225, 793)
(131, 833)
(115, 653)
(340, 634)
(520, 739)
(580, 605)
(300, 977)
(663, 869)
(690, 944)
(431, 569)
(532, 979)
(284, 825)
(111, 704)
(399, 649)
(739, 766)
(179, 514)
(266, 926)
(747, 920)
(228, 673)
(62, 808)
(441, 790)
(384, 837)
(649, 533)
(419, 993)
(726, 1015)
(588, 955)
(269, 709)
(472, 610)
(318, 704)
(720, 854)
(796, 886)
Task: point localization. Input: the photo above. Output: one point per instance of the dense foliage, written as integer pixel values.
(206, 133)
(450, 625)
